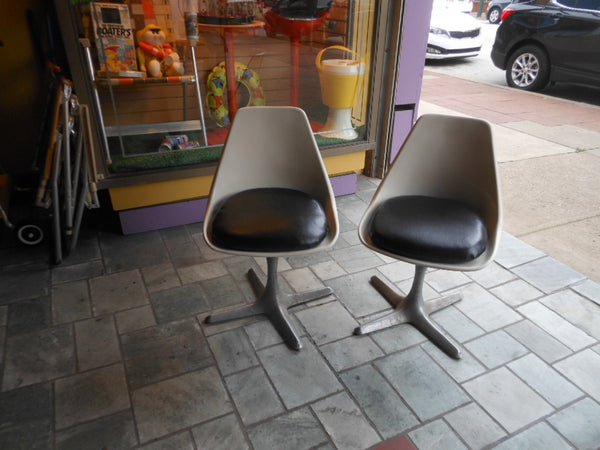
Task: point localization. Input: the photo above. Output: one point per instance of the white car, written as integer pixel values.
(453, 34)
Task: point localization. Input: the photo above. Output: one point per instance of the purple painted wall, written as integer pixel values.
(415, 30)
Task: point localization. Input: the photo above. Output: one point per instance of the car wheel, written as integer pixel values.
(528, 69)
(494, 15)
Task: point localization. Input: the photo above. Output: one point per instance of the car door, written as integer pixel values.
(572, 37)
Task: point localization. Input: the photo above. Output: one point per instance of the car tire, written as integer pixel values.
(528, 69)
(494, 15)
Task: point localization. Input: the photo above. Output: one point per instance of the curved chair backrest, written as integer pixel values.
(448, 157)
(272, 146)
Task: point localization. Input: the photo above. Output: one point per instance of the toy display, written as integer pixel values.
(156, 57)
(203, 60)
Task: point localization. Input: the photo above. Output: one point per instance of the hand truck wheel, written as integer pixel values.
(30, 234)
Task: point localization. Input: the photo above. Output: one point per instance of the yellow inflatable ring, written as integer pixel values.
(217, 86)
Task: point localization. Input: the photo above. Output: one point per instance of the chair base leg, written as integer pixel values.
(412, 309)
(272, 303)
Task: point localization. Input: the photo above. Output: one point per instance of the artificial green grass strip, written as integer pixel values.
(139, 154)
(139, 148)
(165, 159)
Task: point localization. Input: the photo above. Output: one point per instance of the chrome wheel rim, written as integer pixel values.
(525, 70)
(494, 16)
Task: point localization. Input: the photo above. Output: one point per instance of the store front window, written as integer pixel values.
(168, 89)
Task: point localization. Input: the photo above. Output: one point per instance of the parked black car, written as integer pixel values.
(495, 8)
(549, 41)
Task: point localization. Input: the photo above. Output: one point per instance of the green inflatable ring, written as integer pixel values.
(217, 86)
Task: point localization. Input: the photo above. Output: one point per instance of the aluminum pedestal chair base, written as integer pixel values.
(412, 309)
(272, 303)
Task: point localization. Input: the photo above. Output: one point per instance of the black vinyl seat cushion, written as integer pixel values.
(269, 220)
(430, 229)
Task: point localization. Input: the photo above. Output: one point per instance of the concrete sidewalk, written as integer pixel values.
(548, 151)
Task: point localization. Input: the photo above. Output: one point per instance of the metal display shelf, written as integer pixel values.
(106, 81)
(151, 128)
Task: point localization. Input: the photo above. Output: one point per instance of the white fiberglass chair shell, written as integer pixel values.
(271, 197)
(438, 206)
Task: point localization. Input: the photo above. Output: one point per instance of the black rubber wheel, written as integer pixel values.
(30, 234)
(494, 15)
(528, 69)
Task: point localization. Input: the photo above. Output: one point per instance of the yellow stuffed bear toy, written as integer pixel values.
(155, 56)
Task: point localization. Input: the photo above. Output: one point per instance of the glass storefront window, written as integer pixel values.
(316, 55)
